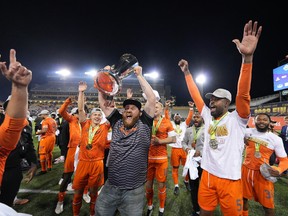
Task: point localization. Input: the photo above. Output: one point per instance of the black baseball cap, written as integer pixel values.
(133, 102)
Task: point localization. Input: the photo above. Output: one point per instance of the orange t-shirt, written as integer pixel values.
(98, 142)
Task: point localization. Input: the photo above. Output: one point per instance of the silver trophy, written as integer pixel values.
(109, 81)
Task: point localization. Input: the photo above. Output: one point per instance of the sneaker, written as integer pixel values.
(150, 211)
(187, 185)
(176, 191)
(161, 213)
(195, 213)
(59, 208)
(49, 169)
(59, 160)
(19, 201)
(87, 198)
(69, 187)
(60, 181)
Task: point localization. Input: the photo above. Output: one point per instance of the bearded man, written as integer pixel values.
(128, 156)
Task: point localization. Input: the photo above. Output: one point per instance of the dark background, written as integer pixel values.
(49, 35)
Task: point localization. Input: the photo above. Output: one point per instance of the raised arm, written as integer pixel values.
(20, 77)
(81, 111)
(246, 47)
(190, 114)
(192, 87)
(148, 91)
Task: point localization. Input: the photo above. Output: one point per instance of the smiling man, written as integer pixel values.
(224, 132)
(128, 156)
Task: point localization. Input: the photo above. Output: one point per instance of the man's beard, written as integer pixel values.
(265, 129)
(177, 122)
(130, 124)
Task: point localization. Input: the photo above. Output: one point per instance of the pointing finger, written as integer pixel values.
(12, 56)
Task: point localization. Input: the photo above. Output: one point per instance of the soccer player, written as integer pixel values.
(178, 154)
(261, 143)
(224, 133)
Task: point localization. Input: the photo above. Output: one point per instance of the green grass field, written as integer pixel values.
(44, 203)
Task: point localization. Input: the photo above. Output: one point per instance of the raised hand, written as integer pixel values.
(251, 35)
(18, 74)
(138, 70)
(191, 104)
(82, 86)
(183, 64)
(168, 103)
(129, 93)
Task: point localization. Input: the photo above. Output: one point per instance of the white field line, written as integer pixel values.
(42, 191)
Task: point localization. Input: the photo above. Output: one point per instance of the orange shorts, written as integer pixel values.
(47, 144)
(69, 161)
(178, 155)
(255, 186)
(157, 170)
(214, 190)
(90, 173)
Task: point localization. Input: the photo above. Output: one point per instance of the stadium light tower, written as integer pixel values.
(153, 75)
(63, 72)
(201, 79)
(91, 73)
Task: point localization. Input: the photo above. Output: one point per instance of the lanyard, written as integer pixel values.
(91, 133)
(196, 132)
(178, 130)
(214, 126)
(257, 147)
(155, 128)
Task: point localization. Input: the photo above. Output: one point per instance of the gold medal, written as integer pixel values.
(89, 146)
(213, 143)
(257, 154)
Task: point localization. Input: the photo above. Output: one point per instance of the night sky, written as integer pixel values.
(80, 35)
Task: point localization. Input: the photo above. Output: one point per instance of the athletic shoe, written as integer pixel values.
(87, 198)
(19, 201)
(59, 208)
(150, 211)
(187, 185)
(176, 191)
(60, 181)
(59, 160)
(69, 187)
(161, 213)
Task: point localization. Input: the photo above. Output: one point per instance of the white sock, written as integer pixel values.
(150, 207)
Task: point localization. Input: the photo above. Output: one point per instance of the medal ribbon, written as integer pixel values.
(196, 133)
(257, 147)
(91, 134)
(155, 128)
(214, 126)
(178, 130)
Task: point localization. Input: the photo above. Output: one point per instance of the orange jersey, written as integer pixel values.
(49, 123)
(10, 132)
(74, 125)
(98, 142)
(160, 151)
